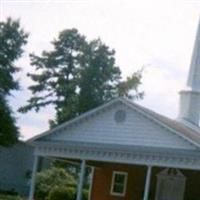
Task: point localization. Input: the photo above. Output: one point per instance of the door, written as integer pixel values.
(170, 185)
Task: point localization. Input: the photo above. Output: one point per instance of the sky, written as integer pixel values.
(156, 35)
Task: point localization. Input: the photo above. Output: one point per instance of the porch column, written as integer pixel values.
(81, 180)
(32, 186)
(91, 183)
(147, 183)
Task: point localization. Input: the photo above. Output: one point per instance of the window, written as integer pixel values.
(119, 182)
(120, 116)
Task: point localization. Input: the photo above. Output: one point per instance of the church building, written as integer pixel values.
(135, 153)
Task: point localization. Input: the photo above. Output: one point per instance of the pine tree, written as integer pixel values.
(76, 76)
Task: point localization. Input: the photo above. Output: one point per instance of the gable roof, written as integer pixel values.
(174, 126)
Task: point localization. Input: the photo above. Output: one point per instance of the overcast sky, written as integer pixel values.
(155, 34)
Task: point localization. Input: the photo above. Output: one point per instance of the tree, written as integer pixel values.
(76, 76)
(8, 129)
(12, 39)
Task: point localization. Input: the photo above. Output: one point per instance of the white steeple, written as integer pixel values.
(189, 109)
(194, 73)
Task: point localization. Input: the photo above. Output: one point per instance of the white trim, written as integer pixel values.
(124, 184)
(91, 183)
(147, 183)
(34, 172)
(81, 180)
(165, 158)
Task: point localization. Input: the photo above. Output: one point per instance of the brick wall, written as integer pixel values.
(103, 177)
(136, 181)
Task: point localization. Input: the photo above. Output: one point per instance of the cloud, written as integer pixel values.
(161, 88)
(156, 34)
(33, 123)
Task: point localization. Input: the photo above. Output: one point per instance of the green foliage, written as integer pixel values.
(10, 197)
(98, 77)
(62, 193)
(51, 178)
(12, 39)
(131, 83)
(76, 76)
(66, 193)
(85, 194)
(8, 129)
(74, 170)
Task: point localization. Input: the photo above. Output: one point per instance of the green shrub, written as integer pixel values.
(62, 193)
(9, 197)
(50, 178)
(85, 194)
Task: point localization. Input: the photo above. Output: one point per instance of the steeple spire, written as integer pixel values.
(194, 73)
(189, 110)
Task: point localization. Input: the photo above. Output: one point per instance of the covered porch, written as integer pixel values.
(143, 174)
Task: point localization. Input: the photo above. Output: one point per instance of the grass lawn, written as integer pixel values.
(9, 197)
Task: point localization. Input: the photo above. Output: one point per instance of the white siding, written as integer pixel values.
(15, 162)
(136, 130)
